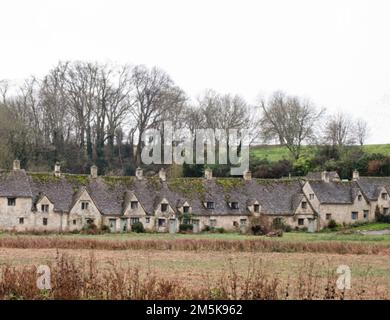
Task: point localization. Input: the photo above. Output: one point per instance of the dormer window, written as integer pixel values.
(311, 196)
(11, 202)
(256, 208)
(360, 197)
(45, 208)
(134, 204)
(186, 209)
(234, 205)
(304, 205)
(84, 205)
(164, 207)
(210, 205)
(384, 196)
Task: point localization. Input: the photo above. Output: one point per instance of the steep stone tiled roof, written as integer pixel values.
(15, 184)
(371, 186)
(334, 192)
(111, 194)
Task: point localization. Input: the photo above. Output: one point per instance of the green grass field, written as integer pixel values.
(276, 153)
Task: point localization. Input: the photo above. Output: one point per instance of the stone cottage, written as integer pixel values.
(61, 202)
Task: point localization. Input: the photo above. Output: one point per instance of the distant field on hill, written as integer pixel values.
(276, 153)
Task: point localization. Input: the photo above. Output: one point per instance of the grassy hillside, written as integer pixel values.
(276, 153)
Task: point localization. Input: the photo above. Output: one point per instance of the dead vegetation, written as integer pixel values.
(256, 245)
(82, 279)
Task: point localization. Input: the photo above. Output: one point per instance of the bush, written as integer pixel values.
(105, 229)
(220, 230)
(332, 224)
(138, 227)
(206, 228)
(259, 225)
(185, 227)
(90, 228)
(383, 218)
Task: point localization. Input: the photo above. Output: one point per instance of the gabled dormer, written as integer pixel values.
(253, 206)
(83, 204)
(132, 205)
(184, 207)
(162, 207)
(44, 205)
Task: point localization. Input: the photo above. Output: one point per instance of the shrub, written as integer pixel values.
(259, 225)
(105, 229)
(332, 224)
(90, 228)
(185, 227)
(206, 228)
(220, 230)
(138, 227)
(383, 218)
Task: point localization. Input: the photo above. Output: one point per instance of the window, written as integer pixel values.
(161, 222)
(234, 205)
(242, 222)
(134, 204)
(355, 215)
(311, 196)
(384, 196)
(134, 220)
(11, 202)
(360, 197)
(45, 208)
(256, 208)
(304, 205)
(147, 220)
(385, 210)
(210, 205)
(301, 222)
(235, 224)
(365, 214)
(328, 216)
(84, 205)
(74, 222)
(21, 220)
(164, 207)
(186, 209)
(89, 221)
(213, 223)
(44, 221)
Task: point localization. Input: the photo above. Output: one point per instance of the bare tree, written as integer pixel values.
(4, 86)
(289, 119)
(339, 130)
(362, 131)
(155, 97)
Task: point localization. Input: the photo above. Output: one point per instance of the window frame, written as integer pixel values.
(84, 205)
(355, 215)
(301, 221)
(45, 221)
(11, 202)
(210, 205)
(304, 205)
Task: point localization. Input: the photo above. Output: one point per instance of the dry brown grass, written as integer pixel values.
(83, 279)
(257, 245)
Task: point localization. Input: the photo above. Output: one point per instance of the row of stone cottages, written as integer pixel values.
(63, 202)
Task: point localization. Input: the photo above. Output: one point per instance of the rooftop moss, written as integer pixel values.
(190, 187)
(78, 179)
(229, 184)
(154, 183)
(113, 181)
(43, 177)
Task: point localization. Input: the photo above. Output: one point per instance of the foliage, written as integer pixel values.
(332, 224)
(137, 227)
(186, 227)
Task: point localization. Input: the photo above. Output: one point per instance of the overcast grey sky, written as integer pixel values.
(334, 52)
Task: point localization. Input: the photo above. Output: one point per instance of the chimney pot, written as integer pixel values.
(325, 176)
(57, 169)
(162, 174)
(16, 165)
(208, 174)
(355, 175)
(94, 172)
(139, 173)
(247, 175)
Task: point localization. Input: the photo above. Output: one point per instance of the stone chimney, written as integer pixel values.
(247, 175)
(94, 172)
(16, 165)
(139, 173)
(162, 174)
(325, 176)
(355, 175)
(208, 174)
(57, 169)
